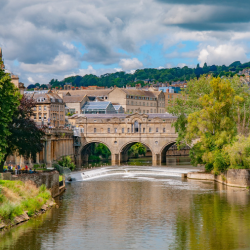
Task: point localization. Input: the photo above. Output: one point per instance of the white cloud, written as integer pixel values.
(30, 79)
(61, 63)
(130, 64)
(222, 54)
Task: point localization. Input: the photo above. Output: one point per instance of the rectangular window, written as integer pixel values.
(108, 130)
(156, 130)
(144, 130)
(122, 130)
(45, 116)
(128, 130)
(34, 108)
(164, 130)
(155, 110)
(115, 130)
(34, 116)
(94, 130)
(40, 117)
(40, 108)
(45, 108)
(149, 130)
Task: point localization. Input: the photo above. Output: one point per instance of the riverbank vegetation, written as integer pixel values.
(67, 162)
(213, 119)
(17, 197)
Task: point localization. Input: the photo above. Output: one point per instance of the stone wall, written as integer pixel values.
(232, 177)
(5, 176)
(49, 179)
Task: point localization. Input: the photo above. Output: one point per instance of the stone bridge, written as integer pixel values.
(120, 131)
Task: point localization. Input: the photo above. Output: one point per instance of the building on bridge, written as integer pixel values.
(120, 131)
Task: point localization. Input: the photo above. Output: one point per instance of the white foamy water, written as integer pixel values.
(131, 172)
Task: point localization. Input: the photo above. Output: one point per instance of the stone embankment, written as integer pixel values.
(50, 179)
(25, 217)
(232, 177)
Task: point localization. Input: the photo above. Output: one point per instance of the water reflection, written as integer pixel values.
(142, 212)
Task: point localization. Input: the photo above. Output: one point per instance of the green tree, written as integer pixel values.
(67, 162)
(24, 137)
(138, 149)
(9, 101)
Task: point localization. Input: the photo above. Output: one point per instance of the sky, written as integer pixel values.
(45, 39)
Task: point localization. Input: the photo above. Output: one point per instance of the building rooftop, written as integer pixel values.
(73, 99)
(95, 105)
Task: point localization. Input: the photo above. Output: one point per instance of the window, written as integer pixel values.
(164, 130)
(40, 108)
(40, 117)
(132, 102)
(144, 130)
(108, 130)
(34, 108)
(136, 126)
(143, 111)
(115, 130)
(122, 130)
(128, 102)
(156, 130)
(82, 130)
(143, 103)
(45, 108)
(94, 130)
(34, 116)
(147, 111)
(151, 110)
(45, 116)
(151, 104)
(147, 103)
(149, 130)
(128, 130)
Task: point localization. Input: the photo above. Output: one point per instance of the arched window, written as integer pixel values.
(136, 126)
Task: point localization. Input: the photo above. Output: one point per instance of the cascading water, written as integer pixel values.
(130, 171)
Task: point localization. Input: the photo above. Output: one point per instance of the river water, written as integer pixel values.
(135, 207)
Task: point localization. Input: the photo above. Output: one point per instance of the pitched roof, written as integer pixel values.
(88, 92)
(139, 92)
(73, 99)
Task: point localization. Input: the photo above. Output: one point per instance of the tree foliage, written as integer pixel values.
(210, 115)
(9, 101)
(170, 75)
(137, 149)
(25, 137)
(67, 162)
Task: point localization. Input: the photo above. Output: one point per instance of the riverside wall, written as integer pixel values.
(49, 179)
(232, 177)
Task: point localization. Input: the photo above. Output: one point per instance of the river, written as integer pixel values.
(139, 207)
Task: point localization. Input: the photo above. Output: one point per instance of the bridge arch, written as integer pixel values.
(123, 152)
(164, 150)
(84, 150)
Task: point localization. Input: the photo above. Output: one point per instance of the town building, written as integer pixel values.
(138, 101)
(49, 109)
(74, 103)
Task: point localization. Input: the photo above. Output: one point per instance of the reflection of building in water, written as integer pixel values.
(173, 151)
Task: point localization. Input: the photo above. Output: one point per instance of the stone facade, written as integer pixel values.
(75, 103)
(50, 108)
(138, 101)
(119, 132)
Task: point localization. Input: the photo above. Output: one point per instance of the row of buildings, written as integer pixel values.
(53, 106)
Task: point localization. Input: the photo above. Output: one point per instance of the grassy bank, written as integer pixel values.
(17, 197)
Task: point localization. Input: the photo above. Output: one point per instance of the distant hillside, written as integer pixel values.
(121, 79)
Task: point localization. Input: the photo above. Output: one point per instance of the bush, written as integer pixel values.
(67, 162)
(35, 166)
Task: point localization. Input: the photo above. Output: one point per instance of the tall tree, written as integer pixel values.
(9, 101)
(24, 137)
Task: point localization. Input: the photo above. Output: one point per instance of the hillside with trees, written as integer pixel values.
(143, 76)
